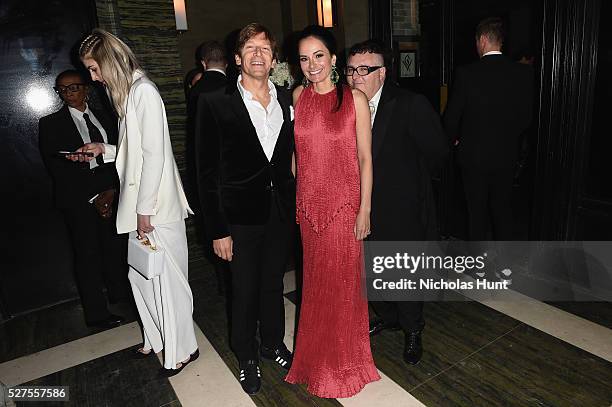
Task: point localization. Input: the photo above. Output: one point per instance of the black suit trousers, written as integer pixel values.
(407, 314)
(258, 265)
(489, 192)
(100, 260)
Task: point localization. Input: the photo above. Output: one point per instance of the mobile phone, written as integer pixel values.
(85, 153)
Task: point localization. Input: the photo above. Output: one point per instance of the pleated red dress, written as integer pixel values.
(332, 353)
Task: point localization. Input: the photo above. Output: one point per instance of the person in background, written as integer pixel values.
(211, 55)
(489, 109)
(407, 144)
(85, 193)
(334, 187)
(151, 197)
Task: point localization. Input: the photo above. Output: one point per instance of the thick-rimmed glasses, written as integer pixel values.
(362, 70)
(73, 87)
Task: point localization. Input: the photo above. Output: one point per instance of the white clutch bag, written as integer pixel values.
(145, 256)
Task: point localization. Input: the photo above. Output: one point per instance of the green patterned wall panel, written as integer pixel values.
(148, 27)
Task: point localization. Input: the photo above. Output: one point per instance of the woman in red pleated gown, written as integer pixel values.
(334, 184)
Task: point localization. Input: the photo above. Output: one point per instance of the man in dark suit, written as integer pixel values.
(407, 143)
(488, 111)
(211, 55)
(85, 194)
(247, 189)
(214, 63)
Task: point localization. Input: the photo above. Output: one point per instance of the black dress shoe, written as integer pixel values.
(163, 372)
(109, 322)
(378, 325)
(281, 356)
(250, 376)
(413, 348)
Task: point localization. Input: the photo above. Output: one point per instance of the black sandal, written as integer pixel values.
(137, 354)
(163, 372)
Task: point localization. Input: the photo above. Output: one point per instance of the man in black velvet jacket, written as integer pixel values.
(247, 190)
(407, 142)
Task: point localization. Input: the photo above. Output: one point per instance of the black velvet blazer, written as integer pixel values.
(235, 178)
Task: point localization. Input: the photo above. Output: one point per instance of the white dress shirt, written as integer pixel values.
(373, 103)
(267, 121)
(79, 121)
(216, 70)
(492, 53)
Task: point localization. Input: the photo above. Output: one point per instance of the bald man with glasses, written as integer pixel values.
(407, 143)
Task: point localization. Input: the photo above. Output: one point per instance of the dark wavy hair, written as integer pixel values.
(328, 39)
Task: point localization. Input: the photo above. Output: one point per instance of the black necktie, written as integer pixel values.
(94, 135)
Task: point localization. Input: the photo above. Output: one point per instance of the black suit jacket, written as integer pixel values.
(407, 143)
(209, 82)
(74, 183)
(488, 111)
(235, 178)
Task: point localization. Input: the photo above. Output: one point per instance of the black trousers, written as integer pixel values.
(489, 191)
(258, 266)
(407, 314)
(100, 260)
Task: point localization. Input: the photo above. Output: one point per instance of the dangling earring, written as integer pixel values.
(335, 76)
(305, 82)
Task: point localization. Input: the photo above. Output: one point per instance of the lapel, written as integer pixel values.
(383, 114)
(285, 107)
(73, 137)
(123, 123)
(244, 120)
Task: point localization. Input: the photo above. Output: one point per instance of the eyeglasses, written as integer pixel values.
(362, 70)
(73, 87)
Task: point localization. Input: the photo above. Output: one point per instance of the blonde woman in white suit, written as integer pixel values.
(151, 198)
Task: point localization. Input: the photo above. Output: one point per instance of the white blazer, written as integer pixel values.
(148, 175)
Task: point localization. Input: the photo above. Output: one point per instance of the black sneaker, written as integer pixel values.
(250, 376)
(281, 356)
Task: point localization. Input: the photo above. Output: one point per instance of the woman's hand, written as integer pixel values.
(362, 225)
(224, 248)
(95, 148)
(144, 225)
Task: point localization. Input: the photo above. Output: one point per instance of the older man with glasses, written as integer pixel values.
(407, 143)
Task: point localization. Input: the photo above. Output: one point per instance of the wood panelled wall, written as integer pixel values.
(148, 27)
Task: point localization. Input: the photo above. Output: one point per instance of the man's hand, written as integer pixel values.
(144, 225)
(224, 248)
(104, 203)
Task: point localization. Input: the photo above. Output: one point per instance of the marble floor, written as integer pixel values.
(512, 352)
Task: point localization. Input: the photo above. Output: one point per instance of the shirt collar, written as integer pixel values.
(492, 53)
(376, 98)
(245, 94)
(216, 70)
(77, 113)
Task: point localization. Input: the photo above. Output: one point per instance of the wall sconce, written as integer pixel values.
(327, 13)
(180, 15)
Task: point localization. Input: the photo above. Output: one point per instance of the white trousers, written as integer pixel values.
(165, 303)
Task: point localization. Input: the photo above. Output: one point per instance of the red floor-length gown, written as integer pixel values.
(332, 354)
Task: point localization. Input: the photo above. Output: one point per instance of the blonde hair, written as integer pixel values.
(117, 63)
